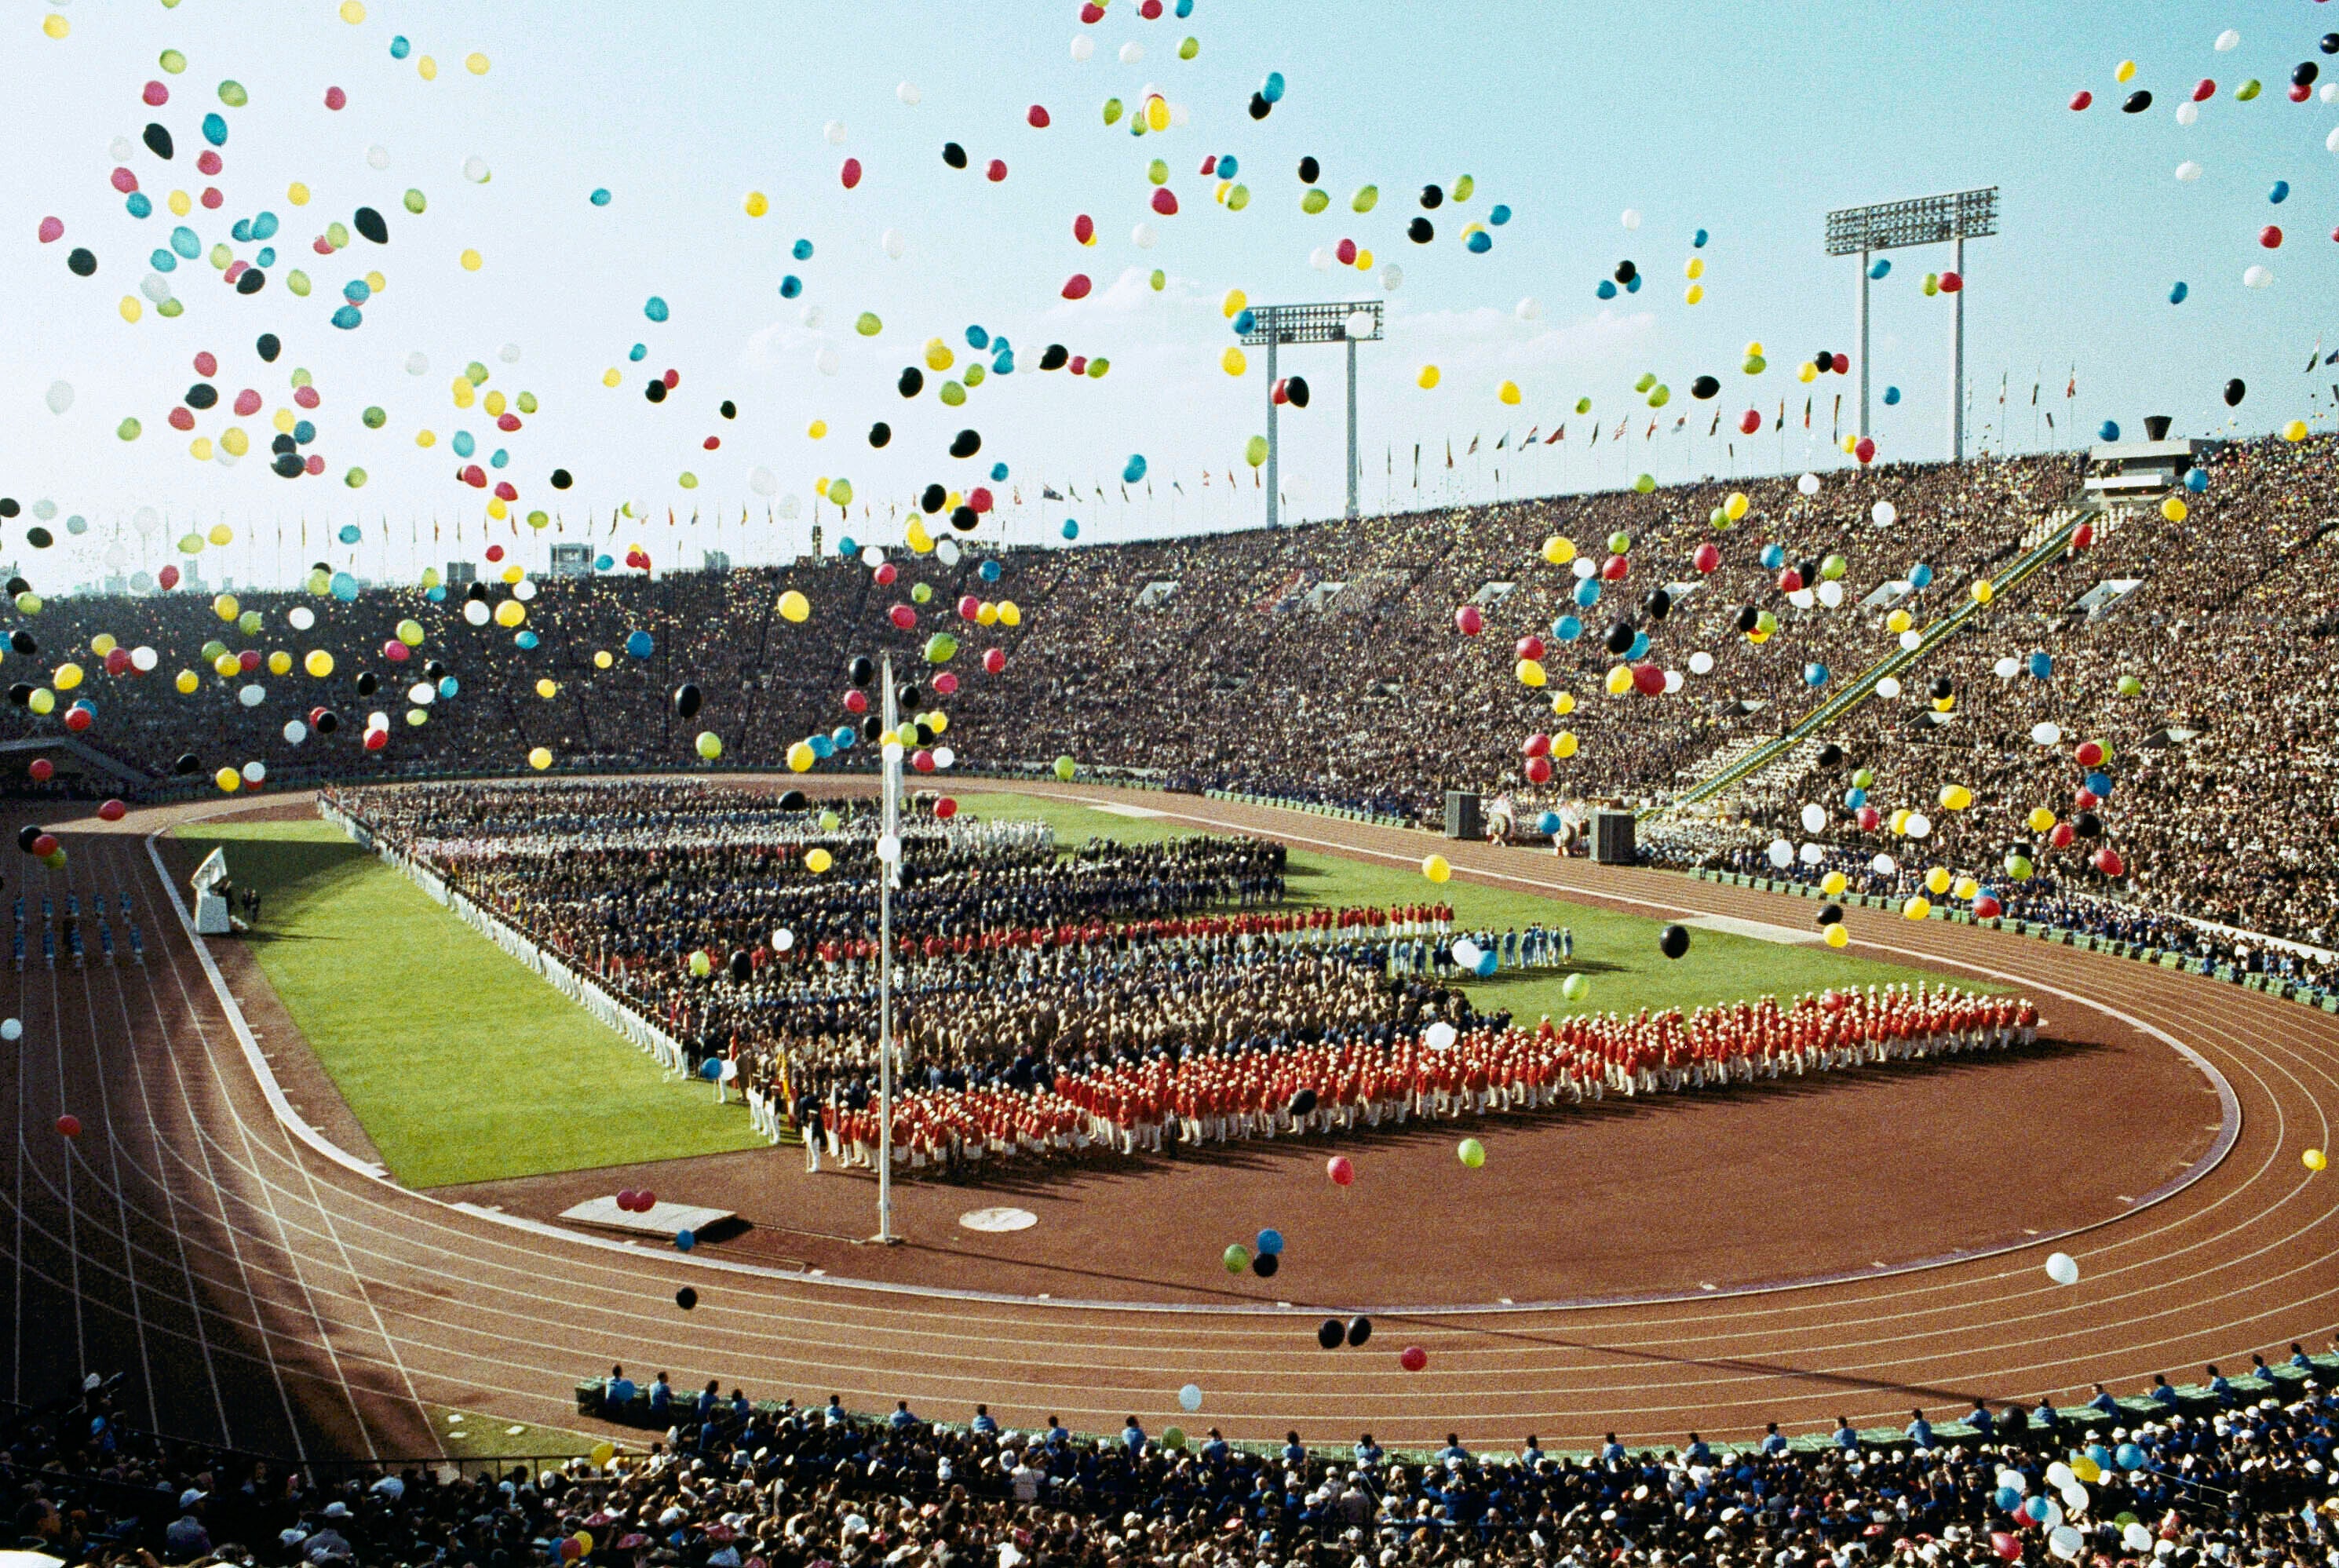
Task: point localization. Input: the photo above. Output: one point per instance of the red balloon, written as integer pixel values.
(78, 718)
(2089, 753)
(1865, 449)
(2083, 535)
(1165, 201)
(979, 499)
(2107, 860)
(885, 574)
(625, 1200)
(2081, 99)
(1538, 769)
(645, 1201)
(335, 98)
(995, 171)
(1613, 568)
(1750, 421)
(923, 760)
(672, 379)
(851, 173)
(43, 770)
(1346, 251)
(2084, 799)
(2062, 836)
(2271, 237)
(1282, 392)
(1789, 580)
(1649, 679)
(495, 552)
(1036, 117)
(856, 701)
(1530, 646)
(945, 682)
(2006, 1546)
(993, 660)
(1987, 908)
(168, 577)
(1842, 364)
(945, 809)
(248, 660)
(1535, 745)
(1952, 282)
(969, 606)
(118, 662)
(1083, 227)
(1080, 365)
(904, 616)
(112, 811)
(1868, 818)
(376, 740)
(45, 845)
(1468, 621)
(2298, 92)
(1342, 1173)
(69, 1125)
(1412, 1358)
(2206, 90)
(1076, 287)
(1707, 558)
(1092, 12)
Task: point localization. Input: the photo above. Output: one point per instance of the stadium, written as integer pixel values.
(706, 923)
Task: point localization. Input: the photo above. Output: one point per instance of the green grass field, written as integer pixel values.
(460, 1064)
(1618, 952)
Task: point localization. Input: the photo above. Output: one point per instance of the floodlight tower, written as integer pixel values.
(1350, 322)
(1951, 219)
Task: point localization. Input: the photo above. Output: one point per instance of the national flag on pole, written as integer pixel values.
(1807, 413)
(1716, 425)
(1048, 493)
(1474, 448)
(1449, 451)
(1502, 440)
(1533, 431)
(1558, 435)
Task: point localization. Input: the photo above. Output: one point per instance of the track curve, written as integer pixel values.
(264, 1294)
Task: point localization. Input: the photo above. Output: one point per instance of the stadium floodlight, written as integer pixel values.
(1951, 219)
(1334, 323)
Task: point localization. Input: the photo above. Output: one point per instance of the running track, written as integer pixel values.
(262, 1294)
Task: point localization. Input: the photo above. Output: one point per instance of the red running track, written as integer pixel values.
(263, 1293)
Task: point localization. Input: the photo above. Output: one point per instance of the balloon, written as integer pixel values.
(1412, 1358)
(2315, 1159)
(1674, 941)
(1471, 1152)
(1189, 1397)
(1340, 1170)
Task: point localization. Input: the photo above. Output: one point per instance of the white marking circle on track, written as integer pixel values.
(995, 1222)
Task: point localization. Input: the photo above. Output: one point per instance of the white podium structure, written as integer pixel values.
(211, 917)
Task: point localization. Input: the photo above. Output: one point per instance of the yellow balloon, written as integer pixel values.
(280, 663)
(1917, 908)
(1233, 363)
(1693, 294)
(2174, 508)
(427, 68)
(1010, 615)
(1436, 868)
(226, 666)
(1899, 821)
(1233, 304)
(794, 607)
(1982, 591)
(68, 677)
(1937, 882)
(757, 203)
(603, 659)
(297, 194)
(1838, 937)
(817, 429)
(476, 63)
(541, 758)
(1564, 745)
(1530, 671)
(1833, 884)
(1899, 621)
(131, 307)
(2314, 1160)
(2125, 72)
(228, 780)
(1695, 270)
(1508, 392)
(103, 644)
(186, 681)
(1966, 888)
(2294, 431)
(510, 613)
(1619, 681)
(602, 1453)
(43, 701)
(1428, 378)
(1563, 704)
(1807, 372)
(470, 260)
(546, 688)
(1735, 507)
(319, 663)
(609, 378)
(2041, 820)
(1558, 551)
(819, 860)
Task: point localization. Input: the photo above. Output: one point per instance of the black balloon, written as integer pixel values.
(965, 444)
(39, 538)
(27, 834)
(18, 586)
(1331, 1333)
(1304, 1102)
(1831, 755)
(187, 763)
(686, 1298)
(1309, 170)
(1054, 356)
(1432, 198)
(2137, 103)
(912, 381)
(1295, 391)
(2303, 74)
(283, 444)
(562, 478)
(158, 140)
(1824, 360)
(1260, 106)
(1704, 387)
(728, 408)
(2087, 824)
(954, 154)
(1421, 231)
(1620, 636)
(289, 465)
(369, 682)
(1748, 619)
(2236, 390)
(1359, 1330)
(862, 670)
(201, 396)
(1943, 686)
(1658, 603)
(905, 694)
(794, 800)
(880, 434)
(1831, 914)
(688, 699)
(1264, 1265)
(21, 642)
(268, 347)
(251, 280)
(327, 721)
(931, 500)
(1626, 271)
(743, 968)
(368, 222)
(82, 262)
(1673, 940)
(8, 506)
(2331, 43)
(656, 390)
(964, 519)
(872, 727)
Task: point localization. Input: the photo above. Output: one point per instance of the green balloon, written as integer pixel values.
(375, 418)
(416, 201)
(1065, 768)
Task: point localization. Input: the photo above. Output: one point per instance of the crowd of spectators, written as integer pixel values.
(2235, 1473)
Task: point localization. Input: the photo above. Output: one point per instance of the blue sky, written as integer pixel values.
(1749, 122)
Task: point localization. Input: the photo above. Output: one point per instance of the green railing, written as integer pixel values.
(1858, 690)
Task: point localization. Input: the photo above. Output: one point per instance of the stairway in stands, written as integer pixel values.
(2047, 542)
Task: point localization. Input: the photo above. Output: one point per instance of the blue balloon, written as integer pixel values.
(345, 588)
(264, 226)
(350, 534)
(638, 353)
(1499, 216)
(2041, 664)
(163, 261)
(684, 1240)
(1568, 628)
(1815, 674)
(348, 318)
(1549, 823)
(2108, 430)
(449, 687)
(1633, 285)
(1587, 593)
(1697, 241)
(498, 459)
(1486, 965)
(400, 48)
(842, 737)
(1226, 166)
(1270, 1242)
(138, 206)
(1606, 290)
(1245, 320)
(2036, 1508)
(2177, 291)
(525, 640)
(846, 547)
(976, 338)
(603, 562)
(215, 130)
(463, 444)
(2280, 193)
(1920, 576)
(1072, 528)
(791, 286)
(1185, 8)
(1892, 396)
(1879, 267)
(357, 292)
(655, 309)
(2196, 480)
(1134, 470)
(241, 233)
(186, 241)
(1854, 798)
(639, 645)
(265, 259)
(823, 746)
(2007, 1498)
(801, 251)
(600, 197)
(1640, 646)
(1480, 242)
(437, 595)
(2129, 1456)
(989, 571)
(1003, 366)
(998, 472)
(2099, 784)
(1272, 89)
(1773, 557)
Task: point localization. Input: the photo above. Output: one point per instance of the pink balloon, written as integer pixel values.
(851, 173)
(52, 230)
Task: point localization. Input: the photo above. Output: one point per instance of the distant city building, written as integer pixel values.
(461, 574)
(572, 560)
(718, 560)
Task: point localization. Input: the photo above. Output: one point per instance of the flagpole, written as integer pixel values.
(890, 774)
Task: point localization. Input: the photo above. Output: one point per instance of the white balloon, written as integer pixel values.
(1884, 514)
(2065, 1542)
(763, 481)
(872, 556)
(2006, 669)
(1465, 953)
(117, 556)
(423, 694)
(785, 939)
(1831, 594)
(1809, 484)
(475, 170)
(11, 1029)
(1781, 854)
(1583, 568)
(1700, 663)
(812, 316)
(155, 287)
(1912, 640)
(61, 396)
(254, 771)
(1320, 258)
(2330, 94)
(2062, 1268)
(524, 590)
(943, 755)
(1672, 682)
(2136, 1538)
(2188, 171)
(908, 93)
(508, 353)
(1529, 309)
(1131, 52)
(2330, 142)
(1814, 817)
(44, 509)
(418, 363)
(1391, 276)
(2046, 735)
(889, 848)
(142, 658)
(121, 149)
(897, 243)
(295, 730)
(1811, 854)
(1632, 218)
(946, 551)
(1883, 866)
(2074, 1495)
(145, 520)
(1144, 237)
(1359, 325)
(790, 508)
(252, 696)
(1889, 688)
(377, 156)
(300, 617)
(2228, 41)
(834, 133)
(1439, 1036)
(2256, 277)
(142, 583)
(476, 611)
(827, 362)
(1082, 46)
(1919, 825)
(2187, 112)
(1802, 599)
